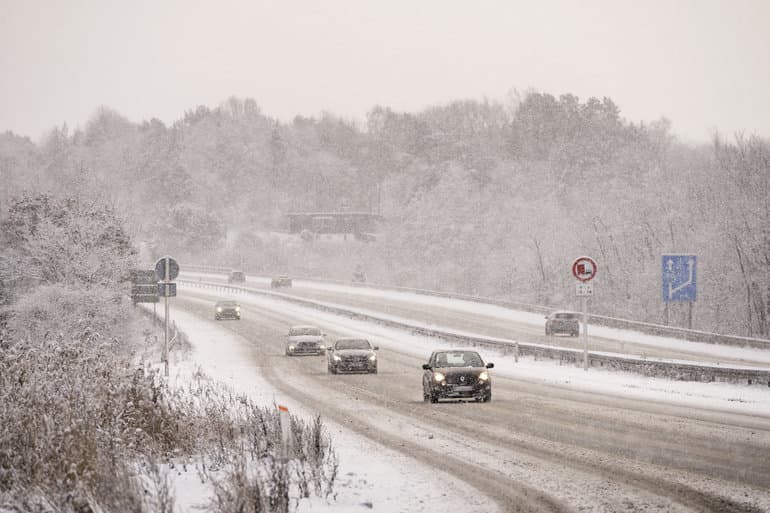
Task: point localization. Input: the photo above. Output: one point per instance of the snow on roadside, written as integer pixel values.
(371, 477)
(752, 400)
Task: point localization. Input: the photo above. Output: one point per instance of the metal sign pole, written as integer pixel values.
(585, 334)
(165, 342)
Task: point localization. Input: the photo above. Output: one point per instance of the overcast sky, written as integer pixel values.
(703, 64)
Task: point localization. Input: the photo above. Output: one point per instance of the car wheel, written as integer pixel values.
(488, 397)
(433, 398)
(547, 332)
(333, 370)
(374, 371)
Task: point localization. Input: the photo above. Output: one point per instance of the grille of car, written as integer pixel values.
(461, 379)
(354, 359)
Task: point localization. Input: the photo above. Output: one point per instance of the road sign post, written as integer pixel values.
(584, 270)
(166, 270)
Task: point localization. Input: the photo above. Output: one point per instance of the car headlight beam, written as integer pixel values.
(373, 358)
(438, 377)
(483, 376)
(337, 358)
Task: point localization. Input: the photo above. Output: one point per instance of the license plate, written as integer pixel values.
(463, 388)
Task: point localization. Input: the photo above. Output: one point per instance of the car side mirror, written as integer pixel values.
(323, 334)
(376, 348)
(490, 365)
(330, 349)
(426, 366)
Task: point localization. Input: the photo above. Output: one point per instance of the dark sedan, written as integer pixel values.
(352, 355)
(562, 322)
(456, 374)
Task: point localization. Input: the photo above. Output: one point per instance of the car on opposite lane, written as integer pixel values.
(305, 339)
(350, 354)
(456, 374)
(280, 281)
(227, 309)
(564, 322)
(236, 277)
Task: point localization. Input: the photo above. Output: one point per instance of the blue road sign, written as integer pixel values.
(679, 278)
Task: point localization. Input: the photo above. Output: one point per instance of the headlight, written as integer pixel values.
(291, 348)
(438, 377)
(373, 358)
(219, 309)
(337, 358)
(483, 376)
(237, 308)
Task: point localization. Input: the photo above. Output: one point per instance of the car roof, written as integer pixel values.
(227, 301)
(351, 338)
(302, 326)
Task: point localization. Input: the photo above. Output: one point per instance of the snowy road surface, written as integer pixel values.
(552, 439)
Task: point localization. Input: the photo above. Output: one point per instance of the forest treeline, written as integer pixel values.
(479, 197)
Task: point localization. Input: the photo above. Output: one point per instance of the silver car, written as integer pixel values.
(305, 339)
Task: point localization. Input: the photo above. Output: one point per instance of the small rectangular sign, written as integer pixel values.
(167, 289)
(584, 289)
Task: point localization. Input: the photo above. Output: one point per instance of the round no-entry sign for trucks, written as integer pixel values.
(584, 268)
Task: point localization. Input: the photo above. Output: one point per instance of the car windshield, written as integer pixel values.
(353, 344)
(565, 316)
(304, 331)
(227, 303)
(458, 359)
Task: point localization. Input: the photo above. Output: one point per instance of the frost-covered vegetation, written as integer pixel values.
(85, 426)
(479, 196)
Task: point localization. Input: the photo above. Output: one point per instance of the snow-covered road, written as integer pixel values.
(554, 438)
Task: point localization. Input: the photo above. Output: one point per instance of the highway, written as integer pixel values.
(535, 447)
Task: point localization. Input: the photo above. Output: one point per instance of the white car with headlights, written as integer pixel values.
(456, 374)
(305, 339)
(349, 354)
(227, 310)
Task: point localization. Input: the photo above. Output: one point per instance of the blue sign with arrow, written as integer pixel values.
(679, 278)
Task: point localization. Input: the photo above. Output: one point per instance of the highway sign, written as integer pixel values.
(166, 289)
(584, 289)
(679, 277)
(144, 287)
(584, 268)
(161, 267)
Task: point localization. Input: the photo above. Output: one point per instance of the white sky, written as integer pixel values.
(703, 64)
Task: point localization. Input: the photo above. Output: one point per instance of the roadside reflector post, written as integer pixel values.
(283, 416)
(516, 351)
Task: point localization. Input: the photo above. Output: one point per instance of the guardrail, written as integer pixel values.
(648, 367)
(601, 320)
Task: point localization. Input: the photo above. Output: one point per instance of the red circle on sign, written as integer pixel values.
(584, 268)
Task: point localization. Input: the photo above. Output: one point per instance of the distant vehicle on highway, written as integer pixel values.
(236, 277)
(563, 322)
(456, 374)
(359, 276)
(227, 310)
(305, 339)
(280, 281)
(349, 354)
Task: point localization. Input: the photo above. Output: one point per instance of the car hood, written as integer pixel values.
(306, 338)
(353, 352)
(450, 371)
